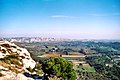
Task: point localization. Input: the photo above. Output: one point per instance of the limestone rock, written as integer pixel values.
(7, 48)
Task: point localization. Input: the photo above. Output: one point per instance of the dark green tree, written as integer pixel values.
(57, 66)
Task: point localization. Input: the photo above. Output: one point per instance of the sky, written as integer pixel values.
(75, 19)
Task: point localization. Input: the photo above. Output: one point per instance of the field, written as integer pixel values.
(85, 69)
(90, 60)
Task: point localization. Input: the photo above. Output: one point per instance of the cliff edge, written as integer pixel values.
(14, 60)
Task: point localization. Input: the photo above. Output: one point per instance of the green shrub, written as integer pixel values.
(57, 66)
(30, 69)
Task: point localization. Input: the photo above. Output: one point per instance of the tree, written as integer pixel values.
(65, 52)
(57, 66)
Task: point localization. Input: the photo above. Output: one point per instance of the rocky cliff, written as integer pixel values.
(14, 60)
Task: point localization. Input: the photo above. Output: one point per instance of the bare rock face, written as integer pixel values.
(7, 48)
(14, 60)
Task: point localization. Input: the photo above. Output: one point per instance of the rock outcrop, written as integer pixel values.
(14, 60)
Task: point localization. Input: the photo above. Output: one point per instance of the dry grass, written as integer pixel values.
(86, 65)
(75, 53)
(12, 68)
(4, 64)
(50, 55)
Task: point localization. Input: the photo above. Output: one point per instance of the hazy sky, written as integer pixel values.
(80, 19)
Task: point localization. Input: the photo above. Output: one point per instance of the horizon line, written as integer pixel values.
(65, 38)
